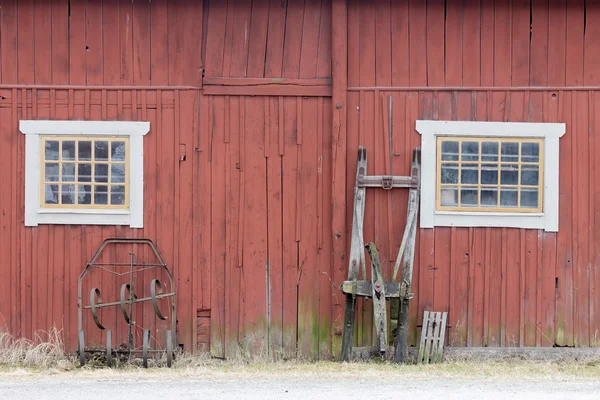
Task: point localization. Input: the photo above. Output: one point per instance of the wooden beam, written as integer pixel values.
(267, 87)
(339, 59)
(364, 288)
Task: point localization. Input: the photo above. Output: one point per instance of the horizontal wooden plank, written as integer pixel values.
(363, 288)
(267, 87)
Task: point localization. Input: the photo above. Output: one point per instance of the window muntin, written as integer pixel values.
(84, 172)
(489, 174)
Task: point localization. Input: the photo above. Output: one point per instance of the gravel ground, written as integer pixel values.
(282, 388)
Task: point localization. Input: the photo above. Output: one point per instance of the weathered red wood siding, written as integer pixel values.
(255, 222)
(484, 61)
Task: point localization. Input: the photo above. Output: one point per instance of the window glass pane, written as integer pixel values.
(117, 151)
(489, 151)
(51, 172)
(117, 195)
(68, 150)
(68, 194)
(468, 197)
(489, 197)
(101, 150)
(510, 152)
(51, 194)
(84, 194)
(100, 194)
(101, 173)
(449, 196)
(489, 174)
(470, 151)
(508, 198)
(85, 150)
(529, 198)
(530, 175)
(449, 151)
(84, 172)
(530, 152)
(68, 172)
(469, 174)
(117, 173)
(51, 151)
(509, 174)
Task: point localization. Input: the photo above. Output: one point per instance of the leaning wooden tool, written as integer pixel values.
(376, 288)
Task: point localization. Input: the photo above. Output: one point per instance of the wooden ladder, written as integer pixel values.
(377, 288)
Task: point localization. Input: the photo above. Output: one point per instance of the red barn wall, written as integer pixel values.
(490, 61)
(255, 222)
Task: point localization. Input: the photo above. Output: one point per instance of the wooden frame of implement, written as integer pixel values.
(377, 288)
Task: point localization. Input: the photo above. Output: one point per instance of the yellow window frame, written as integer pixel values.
(92, 162)
(479, 185)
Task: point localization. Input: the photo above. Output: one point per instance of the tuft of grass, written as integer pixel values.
(46, 351)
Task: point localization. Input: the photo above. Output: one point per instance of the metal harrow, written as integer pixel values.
(128, 299)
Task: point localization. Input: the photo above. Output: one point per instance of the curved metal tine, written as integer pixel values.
(146, 348)
(169, 349)
(125, 287)
(81, 349)
(109, 348)
(95, 292)
(153, 286)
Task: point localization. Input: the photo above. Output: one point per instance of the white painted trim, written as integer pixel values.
(550, 132)
(502, 129)
(47, 127)
(35, 215)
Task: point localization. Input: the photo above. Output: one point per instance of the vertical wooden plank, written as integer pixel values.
(159, 43)
(42, 14)
(594, 298)
(293, 40)
(93, 43)
(418, 36)
(215, 39)
(538, 72)
(8, 42)
(471, 41)
(255, 227)
(502, 43)
(383, 43)
(575, 43)
(581, 218)
(141, 43)
(338, 161)
(435, 39)
(26, 43)
(111, 54)
(290, 247)
(275, 234)
(240, 36)
(326, 271)
(455, 19)
(324, 55)
(308, 307)
(126, 44)
(176, 36)
(60, 42)
(310, 39)
(557, 19)
(219, 342)
(275, 37)
(192, 45)
(400, 41)
(520, 35)
(488, 40)
(257, 37)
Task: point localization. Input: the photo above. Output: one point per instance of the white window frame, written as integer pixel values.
(35, 214)
(549, 132)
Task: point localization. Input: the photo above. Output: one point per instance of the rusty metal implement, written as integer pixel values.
(126, 302)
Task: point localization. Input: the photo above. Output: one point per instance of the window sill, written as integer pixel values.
(83, 217)
(490, 219)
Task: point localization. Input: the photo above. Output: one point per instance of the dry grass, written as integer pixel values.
(45, 351)
(32, 359)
